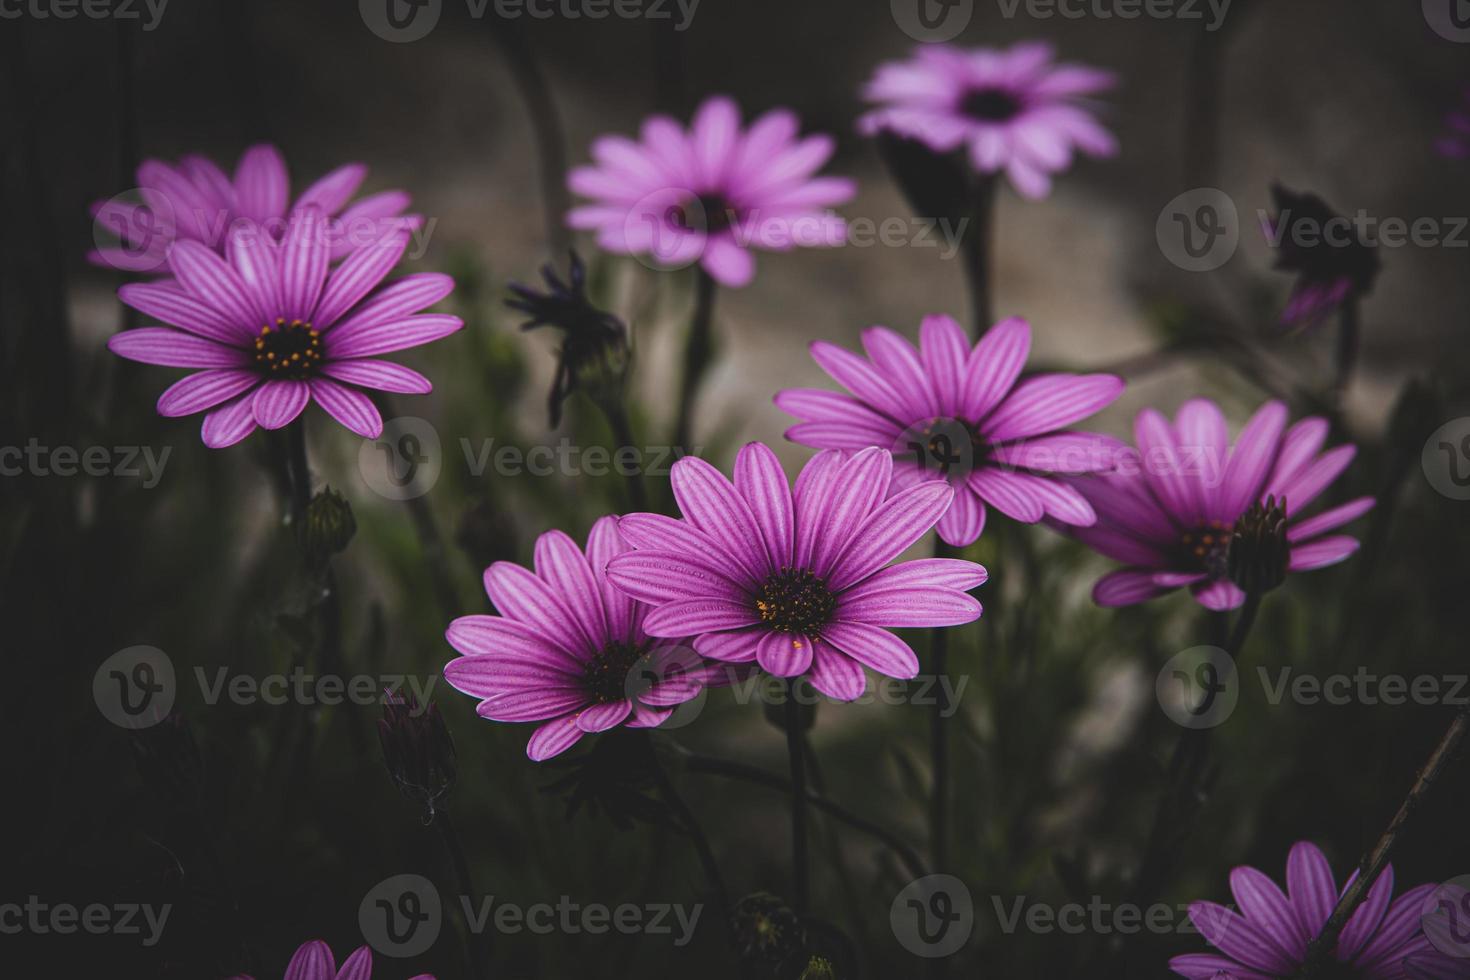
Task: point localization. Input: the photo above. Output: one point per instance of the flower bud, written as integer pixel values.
(418, 750)
(769, 936)
(327, 527)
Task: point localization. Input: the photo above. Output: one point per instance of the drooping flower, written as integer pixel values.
(1268, 938)
(1172, 507)
(712, 192)
(314, 961)
(594, 349)
(194, 200)
(568, 650)
(795, 580)
(1014, 110)
(272, 327)
(957, 413)
(1331, 260)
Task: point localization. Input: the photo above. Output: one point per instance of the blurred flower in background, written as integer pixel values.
(960, 414)
(1014, 110)
(195, 200)
(1171, 510)
(711, 193)
(1332, 262)
(1455, 142)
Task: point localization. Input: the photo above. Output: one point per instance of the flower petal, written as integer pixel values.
(277, 403)
(382, 338)
(204, 390)
(174, 348)
(349, 406)
(784, 654)
(1252, 458)
(710, 503)
(379, 375)
(357, 276)
(230, 423)
(690, 617)
(909, 607)
(601, 717)
(1322, 552)
(890, 530)
(1126, 587)
(553, 738)
(761, 481)
(835, 674)
(312, 961)
(873, 647)
(993, 367)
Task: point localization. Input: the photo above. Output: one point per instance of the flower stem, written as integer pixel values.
(697, 356)
(545, 126)
(477, 942)
(696, 834)
(796, 750)
(1349, 338)
(298, 474)
(939, 740)
(1320, 950)
(622, 429)
(739, 770)
(976, 249)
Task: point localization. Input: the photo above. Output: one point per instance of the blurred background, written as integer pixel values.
(263, 826)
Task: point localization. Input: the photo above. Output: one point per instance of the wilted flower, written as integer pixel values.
(195, 200)
(962, 416)
(1013, 110)
(1324, 249)
(328, 526)
(1268, 938)
(711, 192)
(796, 580)
(1172, 510)
(769, 937)
(313, 961)
(417, 750)
(568, 650)
(594, 348)
(274, 327)
(617, 779)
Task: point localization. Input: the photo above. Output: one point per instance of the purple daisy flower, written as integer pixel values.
(1171, 508)
(997, 441)
(314, 961)
(1268, 938)
(273, 327)
(1014, 110)
(795, 580)
(710, 193)
(570, 651)
(195, 200)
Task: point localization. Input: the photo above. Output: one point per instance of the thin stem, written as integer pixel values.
(976, 249)
(939, 739)
(545, 126)
(477, 942)
(697, 356)
(1373, 863)
(298, 474)
(696, 834)
(739, 770)
(622, 429)
(795, 748)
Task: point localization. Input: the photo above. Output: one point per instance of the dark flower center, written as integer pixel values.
(288, 350)
(795, 601)
(610, 670)
(1208, 546)
(990, 105)
(1335, 969)
(710, 213)
(946, 447)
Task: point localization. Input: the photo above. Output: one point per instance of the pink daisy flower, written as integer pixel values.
(195, 200)
(997, 439)
(1268, 938)
(270, 327)
(1013, 110)
(795, 580)
(711, 193)
(568, 650)
(313, 961)
(1170, 510)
